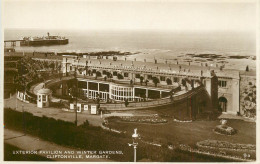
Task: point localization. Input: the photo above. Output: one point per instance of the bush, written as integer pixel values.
(119, 76)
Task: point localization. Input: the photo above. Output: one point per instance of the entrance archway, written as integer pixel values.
(222, 104)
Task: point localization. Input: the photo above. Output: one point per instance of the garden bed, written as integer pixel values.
(223, 129)
(218, 154)
(226, 145)
(144, 119)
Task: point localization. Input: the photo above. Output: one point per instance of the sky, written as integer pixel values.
(133, 15)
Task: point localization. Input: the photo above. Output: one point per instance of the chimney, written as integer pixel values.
(201, 73)
(135, 59)
(125, 59)
(155, 61)
(165, 61)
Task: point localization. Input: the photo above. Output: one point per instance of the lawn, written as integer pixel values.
(188, 133)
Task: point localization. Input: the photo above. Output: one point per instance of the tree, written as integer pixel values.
(119, 76)
(169, 81)
(247, 68)
(141, 80)
(109, 75)
(155, 81)
(146, 81)
(89, 72)
(98, 74)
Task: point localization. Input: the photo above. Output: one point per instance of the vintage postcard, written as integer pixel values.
(129, 81)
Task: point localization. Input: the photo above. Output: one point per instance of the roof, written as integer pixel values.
(45, 91)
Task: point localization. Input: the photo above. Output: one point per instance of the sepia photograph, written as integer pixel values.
(129, 80)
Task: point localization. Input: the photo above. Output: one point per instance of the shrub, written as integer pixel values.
(119, 76)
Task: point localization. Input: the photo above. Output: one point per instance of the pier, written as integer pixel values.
(13, 42)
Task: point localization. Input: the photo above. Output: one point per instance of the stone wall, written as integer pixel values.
(248, 95)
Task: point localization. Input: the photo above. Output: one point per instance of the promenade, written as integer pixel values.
(57, 113)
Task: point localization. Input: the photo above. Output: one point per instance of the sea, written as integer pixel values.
(146, 44)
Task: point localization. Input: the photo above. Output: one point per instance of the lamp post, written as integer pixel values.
(76, 95)
(23, 120)
(134, 144)
(16, 100)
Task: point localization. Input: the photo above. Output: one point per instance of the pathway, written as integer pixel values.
(232, 116)
(55, 113)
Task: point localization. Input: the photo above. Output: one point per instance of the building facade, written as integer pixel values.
(119, 80)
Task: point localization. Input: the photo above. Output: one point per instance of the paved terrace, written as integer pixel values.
(159, 68)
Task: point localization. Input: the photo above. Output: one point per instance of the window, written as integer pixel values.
(104, 72)
(82, 84)
(162, 78)
(137, 75)
(222, 83)
(43, 97)
(94, 71)
(125, 74)
(150, 77)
